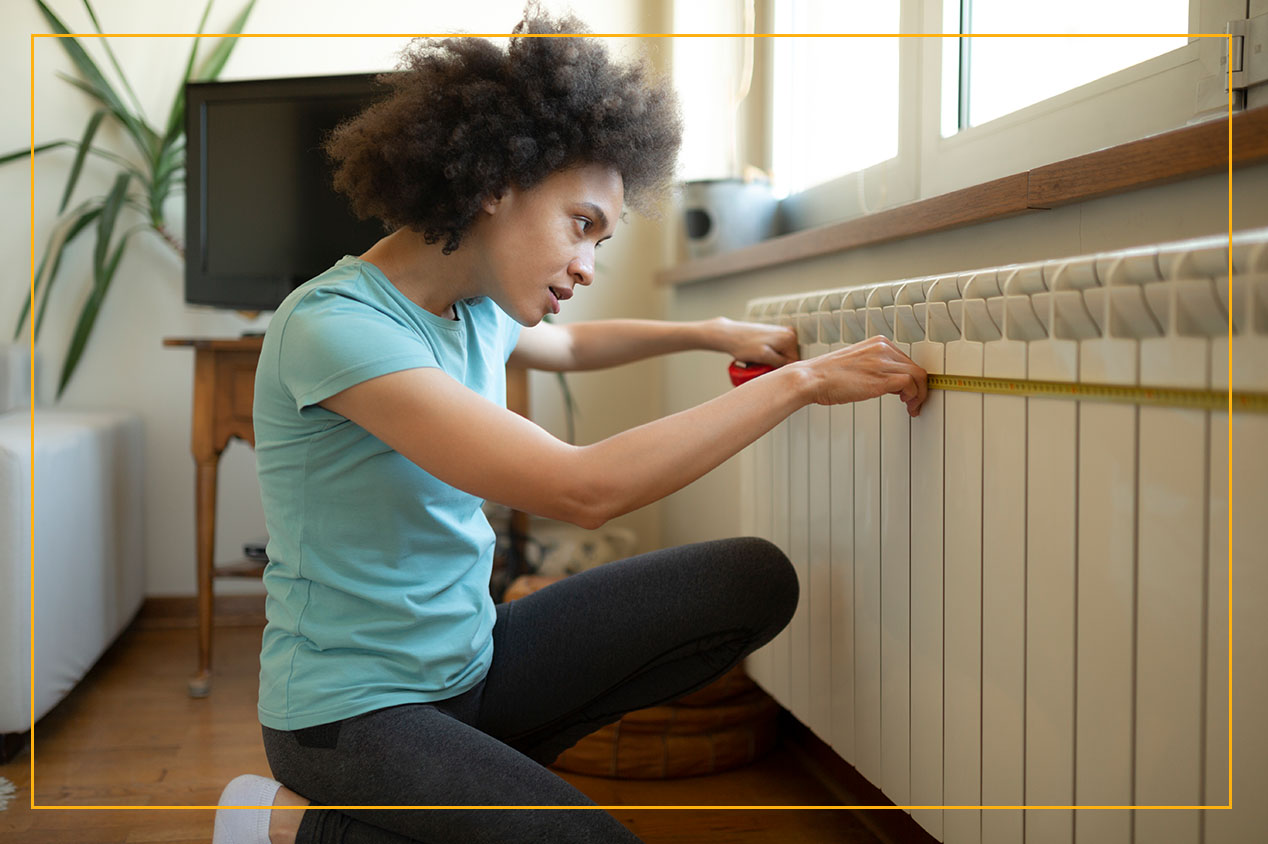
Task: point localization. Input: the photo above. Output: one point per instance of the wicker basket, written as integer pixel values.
(728, 723)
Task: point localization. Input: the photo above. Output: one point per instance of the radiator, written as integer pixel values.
(1019, 601)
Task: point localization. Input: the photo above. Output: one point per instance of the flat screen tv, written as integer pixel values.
(261, 216)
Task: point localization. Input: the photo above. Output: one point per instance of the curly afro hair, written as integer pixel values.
(466, 119)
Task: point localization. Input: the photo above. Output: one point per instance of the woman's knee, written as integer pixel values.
(779, 576)
(763, 574)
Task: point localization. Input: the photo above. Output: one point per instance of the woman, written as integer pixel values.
(388, 677)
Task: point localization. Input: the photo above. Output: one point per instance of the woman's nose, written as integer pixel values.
(581, 269)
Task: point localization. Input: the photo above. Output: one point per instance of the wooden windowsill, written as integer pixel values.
(1168, 157)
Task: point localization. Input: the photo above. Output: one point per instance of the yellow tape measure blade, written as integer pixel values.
(1241, 402)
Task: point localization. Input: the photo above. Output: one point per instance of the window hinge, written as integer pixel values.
(1246, 60)
(1233, 61)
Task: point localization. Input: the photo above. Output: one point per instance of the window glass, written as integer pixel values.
(1007, 74)
(709, 77)
(835, 99)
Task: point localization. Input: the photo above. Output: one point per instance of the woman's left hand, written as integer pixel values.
(752, 342)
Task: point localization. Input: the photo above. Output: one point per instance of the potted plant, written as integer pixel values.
(148, 172)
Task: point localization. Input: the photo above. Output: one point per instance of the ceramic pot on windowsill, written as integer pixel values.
(720, 215)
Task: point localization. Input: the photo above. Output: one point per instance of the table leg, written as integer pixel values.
(205, 493)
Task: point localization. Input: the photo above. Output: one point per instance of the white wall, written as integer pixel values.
(125, 365)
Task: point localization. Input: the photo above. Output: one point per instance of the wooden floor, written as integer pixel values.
(130, 736)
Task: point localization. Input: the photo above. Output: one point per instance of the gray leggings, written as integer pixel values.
(566, 660)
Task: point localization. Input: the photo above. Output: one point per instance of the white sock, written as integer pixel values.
(245, 826)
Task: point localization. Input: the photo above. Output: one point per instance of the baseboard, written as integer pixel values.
(181, 611)
(892, 826)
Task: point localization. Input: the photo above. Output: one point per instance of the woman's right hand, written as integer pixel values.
(864, 370)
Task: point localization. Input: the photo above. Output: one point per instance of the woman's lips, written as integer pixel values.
(554, 300)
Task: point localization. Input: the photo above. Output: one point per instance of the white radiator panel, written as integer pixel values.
(926, 599)
(1052, 449)
(756, 468)
(1246, 350)
(867, 589)
(895, 576)
(780, 651)
(1024, 601)
(1106, 636)
(820, 573)
(1004, 592)
(799, 458)
(841, 580)
(1172, 570)
(962, 561)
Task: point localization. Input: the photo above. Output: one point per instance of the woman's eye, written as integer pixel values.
(585, 224)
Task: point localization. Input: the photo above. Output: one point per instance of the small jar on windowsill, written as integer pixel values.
(721, 215)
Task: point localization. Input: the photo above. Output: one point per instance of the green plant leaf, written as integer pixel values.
(105, 223)
(168, 163)
(95, 82)
(26, 151)
(136, 103)
(79, 226)
(168, 173)
(142, 135)
(61, 236)
(123, 164)
(217, 58)
(119, 160)
(176, 117)
(85, 144)
(88, 316)
(79, 220)
(82, 60)
(104, 265)
(160, 170)
(171, 161)
(33, 290)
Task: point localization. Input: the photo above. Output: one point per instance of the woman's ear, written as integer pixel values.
(493, 202)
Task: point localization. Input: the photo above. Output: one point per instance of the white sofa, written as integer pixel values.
(89, 560)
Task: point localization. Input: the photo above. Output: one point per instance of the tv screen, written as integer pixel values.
(261, 217)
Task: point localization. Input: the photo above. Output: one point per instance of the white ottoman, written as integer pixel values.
(89, 557)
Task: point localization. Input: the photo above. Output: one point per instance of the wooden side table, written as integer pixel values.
(224, 391)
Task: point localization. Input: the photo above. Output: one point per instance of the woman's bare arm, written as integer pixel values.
(599, 344)
(482, 448)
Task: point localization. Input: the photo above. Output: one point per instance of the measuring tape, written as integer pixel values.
(1242, 402)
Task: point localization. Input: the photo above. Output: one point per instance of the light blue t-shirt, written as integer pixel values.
(378, 574)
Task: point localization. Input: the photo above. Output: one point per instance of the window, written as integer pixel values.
(848, 126)
(842, 139)
(1029, 100)
(713, 81)
(992, 77)
(823, 85)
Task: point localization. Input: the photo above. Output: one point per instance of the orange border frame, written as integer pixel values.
(684, 807)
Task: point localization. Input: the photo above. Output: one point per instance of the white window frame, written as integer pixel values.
(1099, 114)
(1182, 86)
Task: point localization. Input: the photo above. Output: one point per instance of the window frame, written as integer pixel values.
(929, 165)
(1105, 111)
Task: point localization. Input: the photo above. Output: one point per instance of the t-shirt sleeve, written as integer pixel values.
(332, 342)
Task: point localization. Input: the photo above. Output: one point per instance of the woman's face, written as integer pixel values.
(538, 244)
